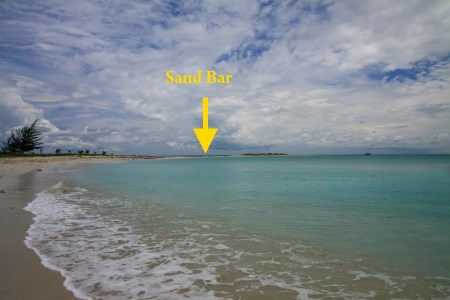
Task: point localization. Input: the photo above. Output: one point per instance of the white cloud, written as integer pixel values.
(300, 73)
(14, 110)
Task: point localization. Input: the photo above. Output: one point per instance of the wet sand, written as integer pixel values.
(22, 275)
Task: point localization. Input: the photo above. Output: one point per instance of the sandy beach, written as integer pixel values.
(22, 275)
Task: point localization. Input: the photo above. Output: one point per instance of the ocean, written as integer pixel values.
(290, 227)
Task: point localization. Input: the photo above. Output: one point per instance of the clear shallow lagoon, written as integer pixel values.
(356, 227)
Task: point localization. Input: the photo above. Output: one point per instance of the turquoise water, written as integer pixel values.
(355, 227)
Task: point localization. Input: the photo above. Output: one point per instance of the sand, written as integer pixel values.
(22, 275)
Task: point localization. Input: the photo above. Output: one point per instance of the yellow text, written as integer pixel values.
(212, 77)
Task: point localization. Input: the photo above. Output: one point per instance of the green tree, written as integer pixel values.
(87, 151)
(23, 140)
(58, 151)
(11, 145)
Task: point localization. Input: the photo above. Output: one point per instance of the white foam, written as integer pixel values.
(101, 255)
(220, 247)
(388, 280)
(102, 258)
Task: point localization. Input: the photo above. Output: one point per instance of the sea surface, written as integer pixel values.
(291, 227)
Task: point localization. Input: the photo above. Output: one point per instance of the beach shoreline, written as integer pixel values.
(22, 273)
(260, 229)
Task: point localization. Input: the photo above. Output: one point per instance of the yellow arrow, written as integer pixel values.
(205, 135)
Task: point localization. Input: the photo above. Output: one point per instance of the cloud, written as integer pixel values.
(307, 75)
(14, 110)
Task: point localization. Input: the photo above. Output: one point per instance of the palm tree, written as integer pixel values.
(23, 140)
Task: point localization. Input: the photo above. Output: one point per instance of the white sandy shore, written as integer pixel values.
(12, 167)
(22, 275)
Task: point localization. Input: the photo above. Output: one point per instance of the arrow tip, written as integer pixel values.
(205, 136)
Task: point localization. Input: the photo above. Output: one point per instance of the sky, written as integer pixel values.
(309, 77)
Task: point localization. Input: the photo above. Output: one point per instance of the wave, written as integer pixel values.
(113, 249)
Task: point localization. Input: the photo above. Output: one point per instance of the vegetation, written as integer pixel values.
(23, 140)
(263, 154)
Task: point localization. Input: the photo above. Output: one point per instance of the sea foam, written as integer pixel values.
(101, 257)
(117, 248)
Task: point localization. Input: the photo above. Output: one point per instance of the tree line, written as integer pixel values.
(28, 138)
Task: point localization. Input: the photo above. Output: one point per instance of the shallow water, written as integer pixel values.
(352, 227)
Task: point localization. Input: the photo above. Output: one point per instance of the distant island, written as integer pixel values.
(264, 154)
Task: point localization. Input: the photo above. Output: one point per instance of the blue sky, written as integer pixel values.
(309, 77)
